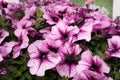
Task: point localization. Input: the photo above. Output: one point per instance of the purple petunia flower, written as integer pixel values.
(22, 43)
(85, 30)
(95, 64)
(101, 20)
(3, 35)
(22, 37)
(27, 24)
(30, 11)
(69, 55)
(89, 75)
(6, 49)
(63, 32)
(13, 8)
(53, 48)
(41, 59)
(114, 47)
(51, 18)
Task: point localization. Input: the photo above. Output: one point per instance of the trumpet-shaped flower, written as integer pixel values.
(6, 49)
(41, 59)
(51, 18)
(69, 55)
(63, 32)
(85, 30)
(114, 47)
(22, 42)
(95, 64)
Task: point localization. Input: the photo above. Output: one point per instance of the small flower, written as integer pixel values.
(53, 48)
(85, 30)
(51, 18)
(23, 42)
(6, 49)
(95, 64)
(3, 35)
(25, 23)
(14, 8)
(114, 47)
(69, 55)
(41, 59)
(30, 11)
(101, 20)
(63, 32)
(22, 37)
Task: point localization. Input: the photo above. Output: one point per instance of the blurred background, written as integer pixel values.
(105, 5)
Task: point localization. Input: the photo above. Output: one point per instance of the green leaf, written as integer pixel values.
(117, 75)
(101, 54)
(39, 13)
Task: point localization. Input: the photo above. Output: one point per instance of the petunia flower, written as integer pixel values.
(30, 11)
(101, 20)
(62, 10)
(89, 75)
(114, 47)
(41, 59)
(85, 30)
(13, 8)
(23, 42)
(53, 48)
(3, 35)
(6, 49)
(63, 32)
(95, 64)
(69, 55)
(51, 18)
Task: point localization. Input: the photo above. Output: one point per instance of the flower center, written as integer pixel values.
(65, 36)
(94, 67)
(43, 55)
(114, 50)
(55, 19)
(71, 59)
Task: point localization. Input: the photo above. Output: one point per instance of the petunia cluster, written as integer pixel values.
(55, 34)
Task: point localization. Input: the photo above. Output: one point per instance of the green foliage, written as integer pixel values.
(40, 21)
(4, 23)
(18, 70)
